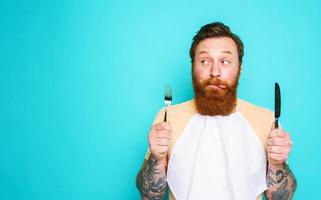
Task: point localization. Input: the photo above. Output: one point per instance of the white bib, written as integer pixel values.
(217, 157)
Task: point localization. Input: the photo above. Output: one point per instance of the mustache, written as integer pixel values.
(216, 82)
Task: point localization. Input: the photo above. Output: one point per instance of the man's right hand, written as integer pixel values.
(159, 139)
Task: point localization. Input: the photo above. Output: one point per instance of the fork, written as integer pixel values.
(167, 100)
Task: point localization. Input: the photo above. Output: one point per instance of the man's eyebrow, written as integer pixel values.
(201, 52)
(228, 52)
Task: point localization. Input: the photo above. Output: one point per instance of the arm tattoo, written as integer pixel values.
(281, 183)
(151, 180)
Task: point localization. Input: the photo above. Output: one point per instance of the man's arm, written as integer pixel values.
(280, 179)
(151, 180)
(281, 182)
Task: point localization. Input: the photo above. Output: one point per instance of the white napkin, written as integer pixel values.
(217, 157)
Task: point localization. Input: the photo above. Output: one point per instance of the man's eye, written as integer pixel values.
(225, 62)
(204, 62)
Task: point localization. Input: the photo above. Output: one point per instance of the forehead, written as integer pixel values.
(217, 45)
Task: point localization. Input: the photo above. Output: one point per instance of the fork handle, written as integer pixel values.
(165, 161)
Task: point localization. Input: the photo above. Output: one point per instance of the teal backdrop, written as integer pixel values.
(81, 82)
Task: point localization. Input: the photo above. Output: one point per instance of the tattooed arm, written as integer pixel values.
(280, 179)
(281, 182)
(151, 180)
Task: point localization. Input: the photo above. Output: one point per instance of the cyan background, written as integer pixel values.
(81, 82)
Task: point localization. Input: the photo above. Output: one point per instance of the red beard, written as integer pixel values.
(215, 96)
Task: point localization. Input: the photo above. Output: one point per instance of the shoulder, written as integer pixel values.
(260, 119)
(184, 107)
(248, 108)
(177, 111)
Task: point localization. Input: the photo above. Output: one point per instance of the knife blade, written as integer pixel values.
(277, 105)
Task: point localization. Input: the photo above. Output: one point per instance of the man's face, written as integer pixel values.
(216, 57)
(216, 71)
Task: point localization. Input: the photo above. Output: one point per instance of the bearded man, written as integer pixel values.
(217, 146)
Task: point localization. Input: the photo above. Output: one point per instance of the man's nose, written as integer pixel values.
(215, 70)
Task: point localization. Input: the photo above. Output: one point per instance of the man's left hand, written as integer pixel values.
(279, 146)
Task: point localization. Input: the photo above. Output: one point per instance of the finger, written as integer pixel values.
(288, 138)
(273, 133)
(282, 134)
(277, 141)
(163, 134)
(277, 157)
(273, 126)
(168, 137)
(277, 133)
(166, 126)
(287, 135)
(280, 142)
(281, 151)
(158, 126)
(159, 149)
(162, 141)
(277, 149)
(162, 126)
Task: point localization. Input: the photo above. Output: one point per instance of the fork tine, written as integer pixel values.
(167, 99)
(168, 92)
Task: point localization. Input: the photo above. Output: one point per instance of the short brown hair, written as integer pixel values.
(215, 30)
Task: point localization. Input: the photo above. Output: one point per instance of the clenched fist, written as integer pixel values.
(278, 146)
(159, 139)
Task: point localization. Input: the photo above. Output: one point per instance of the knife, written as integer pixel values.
(277, 105)
(277, 111)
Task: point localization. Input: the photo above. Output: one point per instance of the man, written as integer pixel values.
(218, 145)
